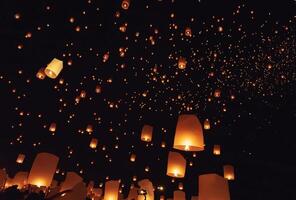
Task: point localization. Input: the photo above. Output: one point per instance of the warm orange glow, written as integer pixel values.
(182, 63)
(188, 32)
(176, 166)
(125, 4)
(146, 134)
(133, 158)
(20, 159)
(217, 93)
(213, 187)
(52, 127)
(179, 195)
(93, 143)
(40, 74)
(54, 68)
(228, 172)
(216, 149)
(111, 190)
(207, 124)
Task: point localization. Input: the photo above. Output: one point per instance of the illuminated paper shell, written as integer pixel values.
(228, 172)
(146, 185)
(146, 134)
(216, 149)
(71, 180)
(179, 195)
(20, 159)
(176, 166)
(111, 190)
(93, 143)
(54, 68)
(125, 4)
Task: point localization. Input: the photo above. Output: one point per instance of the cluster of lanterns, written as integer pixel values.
(52, 70)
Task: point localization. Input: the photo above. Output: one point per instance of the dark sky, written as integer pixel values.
(246, 49)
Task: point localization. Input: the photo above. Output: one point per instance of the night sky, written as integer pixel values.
(244, 49)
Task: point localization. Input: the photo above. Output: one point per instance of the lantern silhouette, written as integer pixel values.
(52, 127)
(217, 93)
(20, 159)
(133, 157)
(179, 195)
(93, 143)
(188, 32)
(213, 187)
(41, 74)
(207, 124)
(189, 134)
(162, 197)
(111, 190)
(71, 180)
(125, 4)
(176, 166)
(82, 94)
(146, 134)
(54, 68)
(216, 149)
(146, 185)
(228, 172)
(43, 169)
(182, 63)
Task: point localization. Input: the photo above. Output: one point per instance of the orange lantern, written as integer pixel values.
(207, 124)
(189, 134)
(176, 166)
(217, 93)
(98, 89)
(125, 4)
(216, 150)
(20, 159)
(43, 169)
(228, 172)
(105, 57)
(188, 32)
(71, 180)
(89, 128)
(163, 144)
(20, 179)
(93, 143)
(54, 68)
(111, 190)
(147, 185)
(180, 186)
(182, 63)
(213, 187)
(146, 134)
(82, 94)
(40, 74)
(53, 127)
(179, 195)
(133, 157)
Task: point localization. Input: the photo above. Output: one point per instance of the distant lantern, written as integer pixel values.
(53, 127)
(179, 195)
(133, 157)
(43, 169)
(83, 94)
(93, 143)
(207, 124)
(182, 63)
(162, 197)
(54, 68)
(189, 134)
(146, 134)
(106, 57)
(217, 93)
(213, 187)
(216, 149)
(163, 144)
(176, 166)
(89, 128)
(111, 190)
(180, 186)
(228, 172)
(41, 74)
(125, 4)
(71, 180)
(20, 159)
(98, 89)
(188, 32)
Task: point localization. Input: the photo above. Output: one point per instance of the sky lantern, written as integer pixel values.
(89, 128)
(176, 166)
(52, 127)
(125, 4)
(146, 134)
(207, 124)
(179, 195)
(146, 185)
(93, 143)
(188, 32)
(111, 190)
(41, 74)
(54, 68)
(43, 169)
(189, 134)
(217, 93)
(20, 159)
(180, 186)
(163, 144)
(217, 149)
(228, 172)
(182, 63)
(133, 157)
(106, 56)
(71, 180)
(213, 187)
(98, 89)
(20, 179)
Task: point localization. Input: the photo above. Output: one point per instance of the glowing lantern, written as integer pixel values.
(189, 134)
(93, 143)
(133, 158)
(188, 32)
(71, 180)
(146, 134)
(162, 197)
(20, 159)
(146, 185)
(179, 195)
(217, 93)
(98, 89)
(180, 186)
(111, 190)
(105, 57)
(82, 94)
(216, 149)
(125, 4)
(40, 74)
(89, 128)
(207, 124)
(52, 127)
(43, 169)
(213, 187)
(20, 179)
(228, 172)
(54, 68)
(182, 63)
(163, 144)
(176, 165)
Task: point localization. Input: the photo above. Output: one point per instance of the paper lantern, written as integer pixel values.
(111, 190)
(213, 187)
(52, 127)
(54, 68)
(146, 134)
(82, 94)
(89, 128)
(217, 93)
(146, 185)
(207, 124)
(105, 57)
(43, 169)
(41, 74)
(189, 134)
(98, 89)
(20, 179)
(162, 197)
(180, 186)
(228, 172)
(216, 149)
(20, 159)
(71, 180)
(133, 157)
(125, 4)
(182, 63)
(163, 144)
(176, 166)
(93, 143)
(179, 195)
(188, 32)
